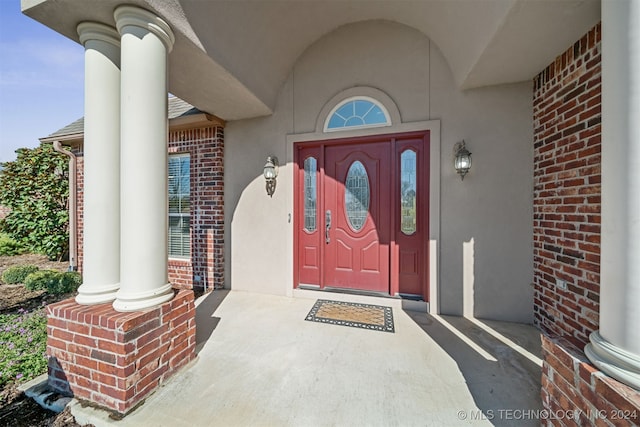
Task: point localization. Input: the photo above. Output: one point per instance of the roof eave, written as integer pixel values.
(192, 121)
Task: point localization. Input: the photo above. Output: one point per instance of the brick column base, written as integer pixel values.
(576, 393)
(115, 360)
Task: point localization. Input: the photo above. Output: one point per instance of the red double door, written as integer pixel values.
(362, 214)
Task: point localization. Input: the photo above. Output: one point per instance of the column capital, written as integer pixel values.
(614, 361)
(97, 31)
(141, 18)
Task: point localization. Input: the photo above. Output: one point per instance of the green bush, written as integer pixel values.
(53, 281)
(35, 188)
(10, 246)
(69, 281)
(41, 280)
(17, 273)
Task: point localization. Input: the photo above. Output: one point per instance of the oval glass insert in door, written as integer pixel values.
(357, 195)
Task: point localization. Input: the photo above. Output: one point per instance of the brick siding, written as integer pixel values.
(567, 142)
(577, 394)
(567, 131)
(205, 268)
(113, 359)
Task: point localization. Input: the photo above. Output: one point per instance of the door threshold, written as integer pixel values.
(316, 293)
(309, 287)
(411, 297)
(402, 296)
(366, 297)
(358, 292)
(346, 291)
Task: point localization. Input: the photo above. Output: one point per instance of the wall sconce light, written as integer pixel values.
(462, 160)
(270, 174)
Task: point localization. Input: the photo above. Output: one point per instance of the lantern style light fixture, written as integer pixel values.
(270, 174)
(462, 159)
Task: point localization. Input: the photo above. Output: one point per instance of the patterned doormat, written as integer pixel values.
(365, 316)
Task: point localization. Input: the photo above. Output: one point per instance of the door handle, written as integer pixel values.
(327, 227)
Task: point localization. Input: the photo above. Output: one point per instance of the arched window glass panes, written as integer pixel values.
(357, 113)
(408, 188)
(356, 195)
(310, 193)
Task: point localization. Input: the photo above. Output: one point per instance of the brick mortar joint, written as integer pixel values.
(579, 359)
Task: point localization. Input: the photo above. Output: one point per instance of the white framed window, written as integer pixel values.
(179, 206)
(356, 113)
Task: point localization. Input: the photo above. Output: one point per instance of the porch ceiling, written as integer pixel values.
(232, 57)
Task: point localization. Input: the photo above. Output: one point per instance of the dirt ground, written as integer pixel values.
(39, 260)
(17, 410)
(14, 297)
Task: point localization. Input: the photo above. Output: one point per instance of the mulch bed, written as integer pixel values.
(17, 410)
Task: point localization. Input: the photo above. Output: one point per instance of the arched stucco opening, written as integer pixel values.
(377, 58)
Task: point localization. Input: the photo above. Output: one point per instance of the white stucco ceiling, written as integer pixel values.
(232, 57)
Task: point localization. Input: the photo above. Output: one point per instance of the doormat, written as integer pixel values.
(364, 316)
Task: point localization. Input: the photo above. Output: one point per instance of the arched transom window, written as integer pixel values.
(357, 112)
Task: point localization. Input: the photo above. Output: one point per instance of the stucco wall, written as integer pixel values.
(485, 248)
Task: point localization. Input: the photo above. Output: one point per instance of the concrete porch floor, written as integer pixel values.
(261, 364)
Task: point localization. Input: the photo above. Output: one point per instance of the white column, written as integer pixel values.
(615, 348)
(101, 247)
(146, 41)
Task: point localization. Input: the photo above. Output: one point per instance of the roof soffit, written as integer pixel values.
(193, 74)
(231, 58)
(485, 42)
(259, 42)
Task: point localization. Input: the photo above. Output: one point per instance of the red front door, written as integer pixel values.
(357, 216)
(362, 214)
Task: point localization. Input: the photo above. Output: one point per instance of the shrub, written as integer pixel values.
(10, 246)
(41, 280)
(17, 273)
(35, 189)
(53, 281)
(23, 342)
(68, 281)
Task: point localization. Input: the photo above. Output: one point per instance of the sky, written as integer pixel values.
(41, 80)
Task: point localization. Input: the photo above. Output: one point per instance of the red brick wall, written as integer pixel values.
(567, 137)
(576, 393)
(205, 268)
(567, 117)
(115, 359)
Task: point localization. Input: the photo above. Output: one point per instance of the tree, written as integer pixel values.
(35, 187)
